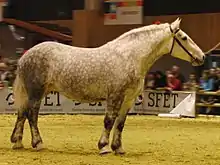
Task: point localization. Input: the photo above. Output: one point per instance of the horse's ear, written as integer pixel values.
(176, 24)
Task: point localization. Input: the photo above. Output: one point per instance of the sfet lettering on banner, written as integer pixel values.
(165, 100)
(49, 100)
(154, 102)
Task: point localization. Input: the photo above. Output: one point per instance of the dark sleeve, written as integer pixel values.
(183, 80)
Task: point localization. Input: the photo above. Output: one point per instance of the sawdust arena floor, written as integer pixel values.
(148, 140)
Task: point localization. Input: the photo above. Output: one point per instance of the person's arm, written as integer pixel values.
(170, 85)
(176, 85)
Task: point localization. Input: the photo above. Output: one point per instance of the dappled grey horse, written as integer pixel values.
(113, 72)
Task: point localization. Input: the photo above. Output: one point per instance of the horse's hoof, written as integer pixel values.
(39, 147)
(18, 145)
(105, 150)
(119, 151)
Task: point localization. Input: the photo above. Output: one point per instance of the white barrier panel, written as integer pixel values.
(155, 102)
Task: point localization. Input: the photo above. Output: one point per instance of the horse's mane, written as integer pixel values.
(137, 31)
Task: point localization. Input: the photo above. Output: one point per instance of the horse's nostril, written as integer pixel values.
(203, 58)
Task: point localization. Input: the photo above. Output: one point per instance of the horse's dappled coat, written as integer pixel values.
(113, 72)
(82, 74)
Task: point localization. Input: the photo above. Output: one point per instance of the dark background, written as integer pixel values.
(62, 9)
(42, 9)
(169, 7)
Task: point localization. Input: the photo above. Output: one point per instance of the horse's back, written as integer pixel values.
(46, 61)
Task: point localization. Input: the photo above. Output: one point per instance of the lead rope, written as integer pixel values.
(217, 45)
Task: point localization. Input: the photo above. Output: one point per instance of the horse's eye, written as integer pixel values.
(184, 38)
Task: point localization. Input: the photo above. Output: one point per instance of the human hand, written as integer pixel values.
(168, 88)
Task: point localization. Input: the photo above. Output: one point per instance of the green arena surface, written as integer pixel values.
(148, 140)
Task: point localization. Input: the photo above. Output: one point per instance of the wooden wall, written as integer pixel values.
(90, 31)
(88, 28)
(202, 28)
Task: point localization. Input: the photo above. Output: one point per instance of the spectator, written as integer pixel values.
(176, 72)
(213, 78)
(173, 83)
(168, 72)
(150, 81)
(192, 78)
(192, 84)
(185, 87)
(160, 79)
(206, 82)
(213, 73)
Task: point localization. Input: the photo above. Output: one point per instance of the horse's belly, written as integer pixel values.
(88, 93)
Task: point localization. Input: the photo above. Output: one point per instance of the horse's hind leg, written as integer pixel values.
(35, 95)
(21, 101)
(17, 133)
(32, 115)
(30, 110)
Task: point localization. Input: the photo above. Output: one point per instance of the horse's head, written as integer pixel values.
(184, 47)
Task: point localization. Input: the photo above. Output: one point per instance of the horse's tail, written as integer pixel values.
(19, 92)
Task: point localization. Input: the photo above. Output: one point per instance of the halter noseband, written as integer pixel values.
(180, 44)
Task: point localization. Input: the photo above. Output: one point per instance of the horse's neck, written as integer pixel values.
(147, 61)
(145, 49)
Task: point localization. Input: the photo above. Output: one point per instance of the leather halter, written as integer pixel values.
(180, 44)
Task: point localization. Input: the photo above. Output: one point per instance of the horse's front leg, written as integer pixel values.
(113, 107)
(119, 125)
